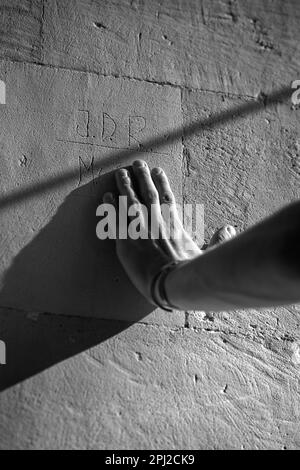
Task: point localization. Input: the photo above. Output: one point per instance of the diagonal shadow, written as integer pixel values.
(67, 270)
(156, 143)
(64, 264)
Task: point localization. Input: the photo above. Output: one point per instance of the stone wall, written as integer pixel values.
(89, 364)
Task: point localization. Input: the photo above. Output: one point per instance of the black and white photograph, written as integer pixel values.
(150, 228)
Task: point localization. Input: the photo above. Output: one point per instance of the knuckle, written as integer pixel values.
(167, 198)
(125, 179)
(151, 196)
(144, 171)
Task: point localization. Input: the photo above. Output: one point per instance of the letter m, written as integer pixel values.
(2, 92)
(86, 170)
(2, 353)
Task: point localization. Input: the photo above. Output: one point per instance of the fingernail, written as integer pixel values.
(157, 171)
(139, 163)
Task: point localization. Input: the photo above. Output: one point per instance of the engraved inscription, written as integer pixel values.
(137, 124)
(108, 131)
(86, 170)
(109, 128)
(83, 123)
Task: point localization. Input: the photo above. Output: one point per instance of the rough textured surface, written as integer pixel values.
(244, 168)
(231, 46)
(197, 380)
(211, 390)
(21, 23)
(62, 132)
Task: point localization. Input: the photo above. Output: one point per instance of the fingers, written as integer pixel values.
(145, 183)
(125, 187)
(154, 192)
(109, 198)
(222, 235)
(169, 210)
(162, 184)
(154, 187)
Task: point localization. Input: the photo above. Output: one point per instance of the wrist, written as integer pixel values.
(159, 293)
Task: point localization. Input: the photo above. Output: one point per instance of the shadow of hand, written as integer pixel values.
(66, 270)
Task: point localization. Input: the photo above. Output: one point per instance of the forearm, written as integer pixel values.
(259, 268)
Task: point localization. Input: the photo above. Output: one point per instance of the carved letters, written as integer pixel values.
(110, 130)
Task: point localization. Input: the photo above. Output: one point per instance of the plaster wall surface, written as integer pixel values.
(89, 86)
